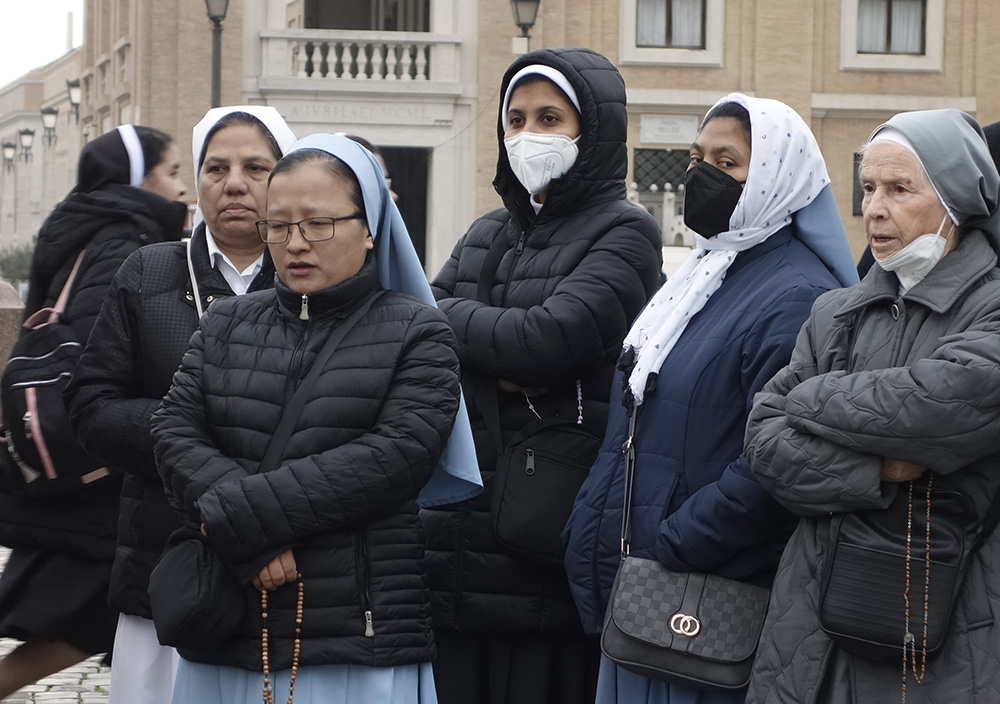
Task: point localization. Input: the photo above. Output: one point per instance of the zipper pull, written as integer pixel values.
(520, 245)
(529, 465)
(304, 311)
(369, 631)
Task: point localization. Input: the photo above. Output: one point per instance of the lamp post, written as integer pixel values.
(216, 12)
(9, 152)
(525, 12)
(73, 88)
(27, 138)
(49, 116)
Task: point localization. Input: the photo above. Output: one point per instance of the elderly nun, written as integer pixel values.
(882, 433)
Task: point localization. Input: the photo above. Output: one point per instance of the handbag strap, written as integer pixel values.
(485, 388)
(628, 455)
(290, 415)
(194, 280)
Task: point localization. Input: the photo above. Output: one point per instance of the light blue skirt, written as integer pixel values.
(318, 684)
(616, 685)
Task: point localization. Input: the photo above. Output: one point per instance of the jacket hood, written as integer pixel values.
(600, 169)
(80, 216)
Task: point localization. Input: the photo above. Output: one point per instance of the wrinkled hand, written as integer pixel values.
(900, 471)
(277, 572)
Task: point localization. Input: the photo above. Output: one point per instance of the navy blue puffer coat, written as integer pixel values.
(696, 506)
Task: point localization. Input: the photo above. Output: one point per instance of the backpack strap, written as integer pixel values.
(51, 315)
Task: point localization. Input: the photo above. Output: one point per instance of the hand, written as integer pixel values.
(277, 572)
(203, 531)
(900, 471)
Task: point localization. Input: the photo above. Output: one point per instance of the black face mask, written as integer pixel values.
(710, 197)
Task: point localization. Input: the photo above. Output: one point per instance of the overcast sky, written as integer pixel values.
(35, 33)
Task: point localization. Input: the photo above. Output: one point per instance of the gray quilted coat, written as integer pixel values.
(874, 374)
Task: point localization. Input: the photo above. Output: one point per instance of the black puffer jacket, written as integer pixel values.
(110, 224)
(142, 332)
(565, 294)
(344, 495)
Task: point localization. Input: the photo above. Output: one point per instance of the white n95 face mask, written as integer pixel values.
(914, 261)
(537, 159)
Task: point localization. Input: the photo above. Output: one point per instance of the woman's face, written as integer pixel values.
(232, 182)
(311, 190)
(899, 203)
(164, 178)
(724, 143)
(541, 108)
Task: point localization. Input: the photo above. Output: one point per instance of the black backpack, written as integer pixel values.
(39, 454)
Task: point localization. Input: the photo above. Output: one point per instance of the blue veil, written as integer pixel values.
(457, 476)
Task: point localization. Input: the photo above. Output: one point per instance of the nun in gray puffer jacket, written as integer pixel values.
(894, 385)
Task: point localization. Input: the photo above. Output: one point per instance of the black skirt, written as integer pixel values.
(53, 595)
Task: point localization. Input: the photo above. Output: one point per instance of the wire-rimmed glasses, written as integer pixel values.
(315, 229)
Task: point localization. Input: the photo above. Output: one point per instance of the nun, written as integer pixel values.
(141, 333)
(881, 434)
(54, 589)
(327, 545)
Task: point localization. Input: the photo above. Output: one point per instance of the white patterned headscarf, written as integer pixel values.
(787, 173)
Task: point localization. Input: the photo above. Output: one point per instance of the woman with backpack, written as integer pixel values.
(54, 589)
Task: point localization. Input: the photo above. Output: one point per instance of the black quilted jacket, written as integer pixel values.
(343, 496)
(564, 295)
(136, 345)
(110, 223)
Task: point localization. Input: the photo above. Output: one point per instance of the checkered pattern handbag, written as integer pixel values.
(693, 628)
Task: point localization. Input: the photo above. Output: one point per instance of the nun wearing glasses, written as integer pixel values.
(330, 538)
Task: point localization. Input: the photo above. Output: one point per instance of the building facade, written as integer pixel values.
(420, 78)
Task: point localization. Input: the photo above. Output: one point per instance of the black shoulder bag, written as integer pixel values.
(196, 602)
(891, 582)
(696, 629)
(540, 471)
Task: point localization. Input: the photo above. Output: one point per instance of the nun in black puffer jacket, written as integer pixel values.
(332, 532)
(580, 263)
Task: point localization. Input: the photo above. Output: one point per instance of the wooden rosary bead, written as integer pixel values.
(267, 691)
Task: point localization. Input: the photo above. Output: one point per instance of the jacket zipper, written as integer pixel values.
(296, 365)
(518, 250)
(364, 580)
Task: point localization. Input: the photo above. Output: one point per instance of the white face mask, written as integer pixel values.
(536, 159)
(914, 261)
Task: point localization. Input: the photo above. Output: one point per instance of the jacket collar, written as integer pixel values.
(334, 302)
(946, 283)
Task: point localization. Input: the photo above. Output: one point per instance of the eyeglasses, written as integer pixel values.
(311, 229)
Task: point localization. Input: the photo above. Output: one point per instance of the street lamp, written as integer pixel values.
(9, 152)
(49, 116)
(73, 88)
(525, 12)
(216, 12)
(27, 138)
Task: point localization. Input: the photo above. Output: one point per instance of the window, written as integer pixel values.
(678, 32)
(892, 35)
(891, 26)
(670, 23)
